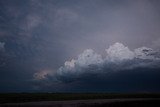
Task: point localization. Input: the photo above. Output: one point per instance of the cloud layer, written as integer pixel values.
(121, 67)
(117, 55)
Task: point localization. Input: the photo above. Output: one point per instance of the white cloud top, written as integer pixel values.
(70, 64)
(119, 52)
(89, 57)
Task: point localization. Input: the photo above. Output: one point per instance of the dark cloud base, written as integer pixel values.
(137, 80)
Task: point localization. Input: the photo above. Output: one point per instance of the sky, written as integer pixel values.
(79, 46)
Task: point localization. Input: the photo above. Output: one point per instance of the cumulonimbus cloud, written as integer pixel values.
(117, 54)
(121, 66)
(118, 57)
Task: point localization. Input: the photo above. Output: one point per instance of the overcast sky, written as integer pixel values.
(42, 42)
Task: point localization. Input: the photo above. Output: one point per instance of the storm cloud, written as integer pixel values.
(121, 67)
(55, 45)
(117, 54)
